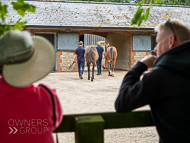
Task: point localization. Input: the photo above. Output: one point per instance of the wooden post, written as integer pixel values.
(89, 129)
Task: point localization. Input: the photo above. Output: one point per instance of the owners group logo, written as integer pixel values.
(28, 126)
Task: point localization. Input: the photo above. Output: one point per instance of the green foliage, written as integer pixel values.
(165, 2)
(19, 25)
(187, 2)
(139, 16)
(21, 9)
(4, 28)
(3, 11)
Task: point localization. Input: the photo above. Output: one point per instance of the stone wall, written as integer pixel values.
(139, 55)
(64, 60)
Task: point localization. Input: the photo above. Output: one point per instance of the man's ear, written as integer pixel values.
(171, 41)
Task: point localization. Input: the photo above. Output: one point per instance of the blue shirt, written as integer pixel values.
(80, 54)
(100, 51)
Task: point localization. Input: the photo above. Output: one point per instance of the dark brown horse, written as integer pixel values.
(91, 56)
(110, 58)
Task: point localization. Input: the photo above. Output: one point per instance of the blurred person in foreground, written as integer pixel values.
(166, 87)
(29, 114)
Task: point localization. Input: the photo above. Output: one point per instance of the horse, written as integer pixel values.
(91, 55)
(110, 58)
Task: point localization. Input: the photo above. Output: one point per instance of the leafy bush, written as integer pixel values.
(21, 8)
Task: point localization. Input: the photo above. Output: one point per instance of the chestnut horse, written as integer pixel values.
(91, 56)
(110, 58)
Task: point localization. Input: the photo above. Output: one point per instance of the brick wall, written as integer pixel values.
(131, 53)
(59, 61)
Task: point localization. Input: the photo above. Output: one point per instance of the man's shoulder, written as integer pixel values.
(99, 47)
(80, 47)
(158, 73)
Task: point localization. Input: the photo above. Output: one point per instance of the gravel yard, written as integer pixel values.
(84, 96)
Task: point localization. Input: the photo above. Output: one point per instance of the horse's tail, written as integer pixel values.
(90, 56)
(111, 54)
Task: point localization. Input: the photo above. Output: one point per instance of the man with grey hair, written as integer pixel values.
(166, 87)
(100, 50)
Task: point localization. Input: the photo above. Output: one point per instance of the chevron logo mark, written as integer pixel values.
(12, 129)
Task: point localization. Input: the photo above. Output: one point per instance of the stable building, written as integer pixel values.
(64, 24)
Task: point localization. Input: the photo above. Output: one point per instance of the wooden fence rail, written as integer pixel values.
(89, 128)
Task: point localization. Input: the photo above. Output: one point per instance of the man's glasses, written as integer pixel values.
(168, 22)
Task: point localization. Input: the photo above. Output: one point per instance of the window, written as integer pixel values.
(67, 41)
(144, 42)
(141, 42)
(49, 36)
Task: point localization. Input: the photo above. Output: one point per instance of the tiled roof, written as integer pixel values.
(96, 14)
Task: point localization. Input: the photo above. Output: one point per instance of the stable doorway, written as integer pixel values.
(50, 37)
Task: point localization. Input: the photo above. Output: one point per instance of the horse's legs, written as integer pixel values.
(109, 69)
(92, 73)
(113, 69)
(88, 71)
(113, 66)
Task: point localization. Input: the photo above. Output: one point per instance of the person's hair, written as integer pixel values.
(98, 43)
(80, 43)
(181, 30)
